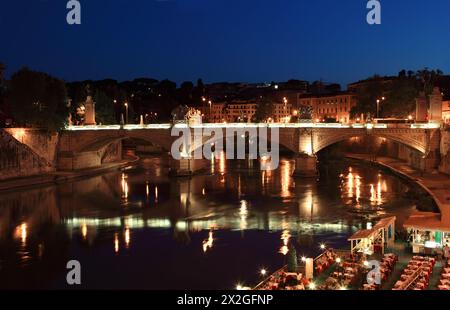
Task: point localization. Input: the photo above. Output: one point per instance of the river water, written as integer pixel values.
(138, 229)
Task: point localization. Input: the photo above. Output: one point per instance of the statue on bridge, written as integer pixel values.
(305, 113)
(179, 114)
(184, 114)
(89, 112)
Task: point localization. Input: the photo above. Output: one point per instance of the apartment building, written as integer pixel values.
(446, 112)
(241, 111)
(282, 112)
(326, 107)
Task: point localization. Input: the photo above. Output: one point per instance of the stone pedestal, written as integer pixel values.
(436, 106)
(305, 166)
(89, 113)
(180, 168)
(421, 108)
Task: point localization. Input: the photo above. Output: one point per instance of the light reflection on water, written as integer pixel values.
(145, 226)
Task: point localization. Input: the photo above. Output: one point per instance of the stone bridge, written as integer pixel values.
(87, 147)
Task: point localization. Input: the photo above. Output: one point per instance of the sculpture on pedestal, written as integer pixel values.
(421, 108)
(305, 113)
(179, 113)
(89, 106)
(435, 114)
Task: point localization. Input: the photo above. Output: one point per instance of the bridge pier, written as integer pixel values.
(305, 166)
(431, 162)
(89, 147)
(187, 167)
(181, 168)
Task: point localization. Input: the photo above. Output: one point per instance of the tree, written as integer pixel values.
(292, 259)
(367, 97)
(2, 72)
(264, 110)
(400, 98)
(399, 93)
(104, 109)
(166, 99)
(199, 91)
(427, 79)
(39, 100)
(3, 108)
(2, 87)
(185, 93)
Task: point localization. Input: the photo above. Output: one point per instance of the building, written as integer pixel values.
(213, 113)
(218, 113)
(428, 232)
(446, 112)
(282, 112)
(329, 107)
(244, 111)
(241, 111)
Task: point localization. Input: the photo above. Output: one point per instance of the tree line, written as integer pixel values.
(396, 95)
(36, 99)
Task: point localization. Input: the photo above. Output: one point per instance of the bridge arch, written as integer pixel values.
(88, 146)
(97, 141)
(417, 140)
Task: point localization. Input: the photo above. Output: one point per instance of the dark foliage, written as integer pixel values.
(38, 100)
(399, 93)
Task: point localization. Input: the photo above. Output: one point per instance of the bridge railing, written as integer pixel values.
(257, 125)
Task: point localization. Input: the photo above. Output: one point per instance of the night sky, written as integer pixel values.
(224, 40)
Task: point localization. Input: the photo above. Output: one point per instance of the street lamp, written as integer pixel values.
(378, 108)
(285, 101)
(378, 105)
(126, 112)
(210, 113)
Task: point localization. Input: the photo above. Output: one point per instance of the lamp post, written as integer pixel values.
(126, 112)
(378, 106)
(210, 113)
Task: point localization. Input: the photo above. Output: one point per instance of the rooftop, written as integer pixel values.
(426, 221)
(367, 233)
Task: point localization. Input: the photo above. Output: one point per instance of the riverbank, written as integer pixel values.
(437, 185)
(63, 176)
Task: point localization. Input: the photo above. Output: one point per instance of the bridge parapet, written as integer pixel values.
(306, 139)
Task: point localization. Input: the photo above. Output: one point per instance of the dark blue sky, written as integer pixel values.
(224, 40)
